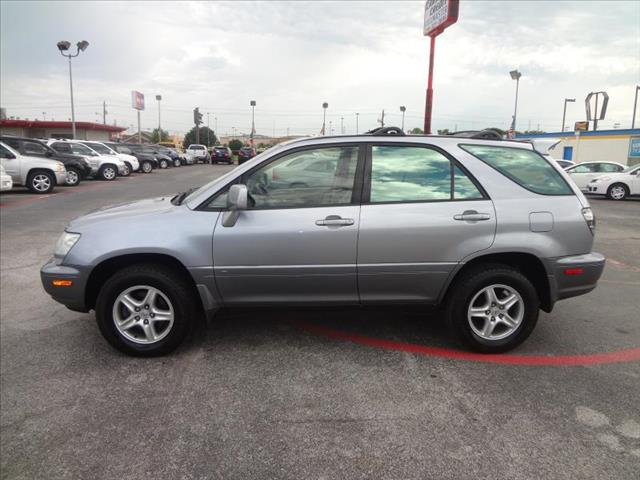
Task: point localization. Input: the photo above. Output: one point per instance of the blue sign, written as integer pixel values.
(634, 147)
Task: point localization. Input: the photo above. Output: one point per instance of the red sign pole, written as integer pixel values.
(429, 104)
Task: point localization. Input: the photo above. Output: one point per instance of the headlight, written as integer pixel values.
(64, 244)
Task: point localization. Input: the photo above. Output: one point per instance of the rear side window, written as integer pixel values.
(609, 168)
(525, 167)
(417, 174)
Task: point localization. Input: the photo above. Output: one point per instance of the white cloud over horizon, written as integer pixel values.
(291, 56)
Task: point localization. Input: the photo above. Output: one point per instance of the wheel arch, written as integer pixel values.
(34, 170)
(527, 263)
(107, 267)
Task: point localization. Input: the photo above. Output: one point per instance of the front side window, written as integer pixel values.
(304, 179)
(589, 168)
(417, 174)
(34, 148)
(525, 167)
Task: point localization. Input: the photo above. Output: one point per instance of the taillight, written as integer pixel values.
(590, 218)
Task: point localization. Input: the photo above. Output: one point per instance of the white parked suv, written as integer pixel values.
(130, 161)
(105, 167)
(40, 175)
(198, 153)
(6, 183)
(583, 173)
(617, 186)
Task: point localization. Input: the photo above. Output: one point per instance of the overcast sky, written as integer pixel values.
(292, 56)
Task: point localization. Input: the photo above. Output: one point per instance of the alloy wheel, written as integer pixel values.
(109, 173)
(143, 314)
(495, 312)
(147, 167)
(72, 178)
(41, 182)
(618, 192)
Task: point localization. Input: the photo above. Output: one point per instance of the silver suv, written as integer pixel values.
(488, 229)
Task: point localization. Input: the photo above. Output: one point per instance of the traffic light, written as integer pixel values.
(197, 116)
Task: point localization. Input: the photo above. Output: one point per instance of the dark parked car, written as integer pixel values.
(161, 161)
(221, 155)
(77, 167)
(176, 158)
(147, 161)
(246, 153)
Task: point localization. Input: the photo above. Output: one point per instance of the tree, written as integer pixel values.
(190, 137)
(416, 131)
(444, 131)
(164, 136)
(235, 145)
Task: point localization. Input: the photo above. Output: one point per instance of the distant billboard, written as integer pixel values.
(137, 100)
(438, 15)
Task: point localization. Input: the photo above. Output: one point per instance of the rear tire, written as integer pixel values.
(164, 164)
(73, 177)
(128, 169)
(41, 181)
(485, 322)
(146, 167)
(134, 332)
(618, 191)
(108, 173)
(177, 163)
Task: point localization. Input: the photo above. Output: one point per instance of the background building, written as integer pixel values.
(620, 145)
(53, 129)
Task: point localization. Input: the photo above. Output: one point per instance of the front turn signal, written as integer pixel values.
(62, 283)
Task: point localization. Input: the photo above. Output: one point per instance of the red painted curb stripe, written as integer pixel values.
(60, 193)
(629, 355)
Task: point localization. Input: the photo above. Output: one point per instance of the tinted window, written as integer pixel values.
(415, 174)
(196, 147)
(590, 168)
(34, 148)
(525, 167)
(98, 147)
(609, 168)
(61, 147)
(281, 185)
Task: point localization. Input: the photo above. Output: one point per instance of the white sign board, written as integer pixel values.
(438, 15)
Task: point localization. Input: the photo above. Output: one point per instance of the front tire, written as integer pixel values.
(108, 173)
(145, 310)
(177, 163)
(128, 169)
(73, 177)
(618, 191)
(164, 164)
(146, 167)
(41, 182)
(492, 308)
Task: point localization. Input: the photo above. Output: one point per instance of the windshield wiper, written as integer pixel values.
(179, 198)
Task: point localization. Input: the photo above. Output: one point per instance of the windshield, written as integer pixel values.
(630, 169)
(101, 149)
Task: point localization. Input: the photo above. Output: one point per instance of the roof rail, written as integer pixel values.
(386, 131)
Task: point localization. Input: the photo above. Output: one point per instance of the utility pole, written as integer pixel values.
(104, 112)
(208, 131)
(325, 105)
(403, 109)
(564, 110)
(515, 75)
(341, 125)
(158, 98)
(635, 103)
(357, 115)
(381, 119)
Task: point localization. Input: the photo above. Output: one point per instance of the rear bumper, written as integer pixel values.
(73, 297)
(575, 275)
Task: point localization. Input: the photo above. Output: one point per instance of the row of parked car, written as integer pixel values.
(218, 154)
(612, 179)
(40, 165)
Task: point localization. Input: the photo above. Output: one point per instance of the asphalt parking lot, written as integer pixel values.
(332, 393)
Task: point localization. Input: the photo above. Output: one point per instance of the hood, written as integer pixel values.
(123, 211)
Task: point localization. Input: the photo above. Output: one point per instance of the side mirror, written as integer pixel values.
(236, 201)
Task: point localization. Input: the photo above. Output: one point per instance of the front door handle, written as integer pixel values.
(471, 216)
(334, 221)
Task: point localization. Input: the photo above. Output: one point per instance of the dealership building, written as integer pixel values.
(619, 145)
(53, 129)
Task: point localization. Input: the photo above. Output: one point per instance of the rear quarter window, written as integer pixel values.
(527, 168)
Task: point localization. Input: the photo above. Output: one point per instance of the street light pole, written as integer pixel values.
(515, 75)
(252, 103)
(325, 105)
(341, 125)
(635, 103)
(208, 131)
(564, 110)
(357, 116)
(63, 46)
(158, 98)
(403, 109)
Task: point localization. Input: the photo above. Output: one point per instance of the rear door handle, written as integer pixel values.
(471, 216)
(334, 221)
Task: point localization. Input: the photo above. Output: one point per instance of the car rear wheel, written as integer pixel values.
(108, 172)
(493, 308)
(164, 164)
(127, 169)
(41, 182)
(177, 163)
(146, 167)
(145, 310)
(617, 191)
(73, 177)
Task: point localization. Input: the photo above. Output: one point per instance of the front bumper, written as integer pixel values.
(122, 169)
(73, 297)
(575, 275)
(61, 177)
(596, 189)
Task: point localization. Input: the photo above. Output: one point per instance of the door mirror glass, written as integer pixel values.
(236, 202)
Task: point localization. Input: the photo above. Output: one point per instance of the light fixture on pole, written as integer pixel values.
(252, 103)
(403, 109)
(64, 46)
(158, 98)
(564, 110)
(325, 105)
(515, 75)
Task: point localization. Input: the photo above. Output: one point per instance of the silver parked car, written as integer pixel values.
(489, 229)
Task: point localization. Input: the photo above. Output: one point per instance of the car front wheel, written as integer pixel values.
(146, 167)
(145, 310)
(108, 173)
(73, 177)
(177, 163)
(41, 182)
(492, 309)
(127, 169)
(617, 191)
(164, 164)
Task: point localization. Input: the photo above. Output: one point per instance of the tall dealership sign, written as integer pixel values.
(137, 103)
(438, 15)
(595, 115)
